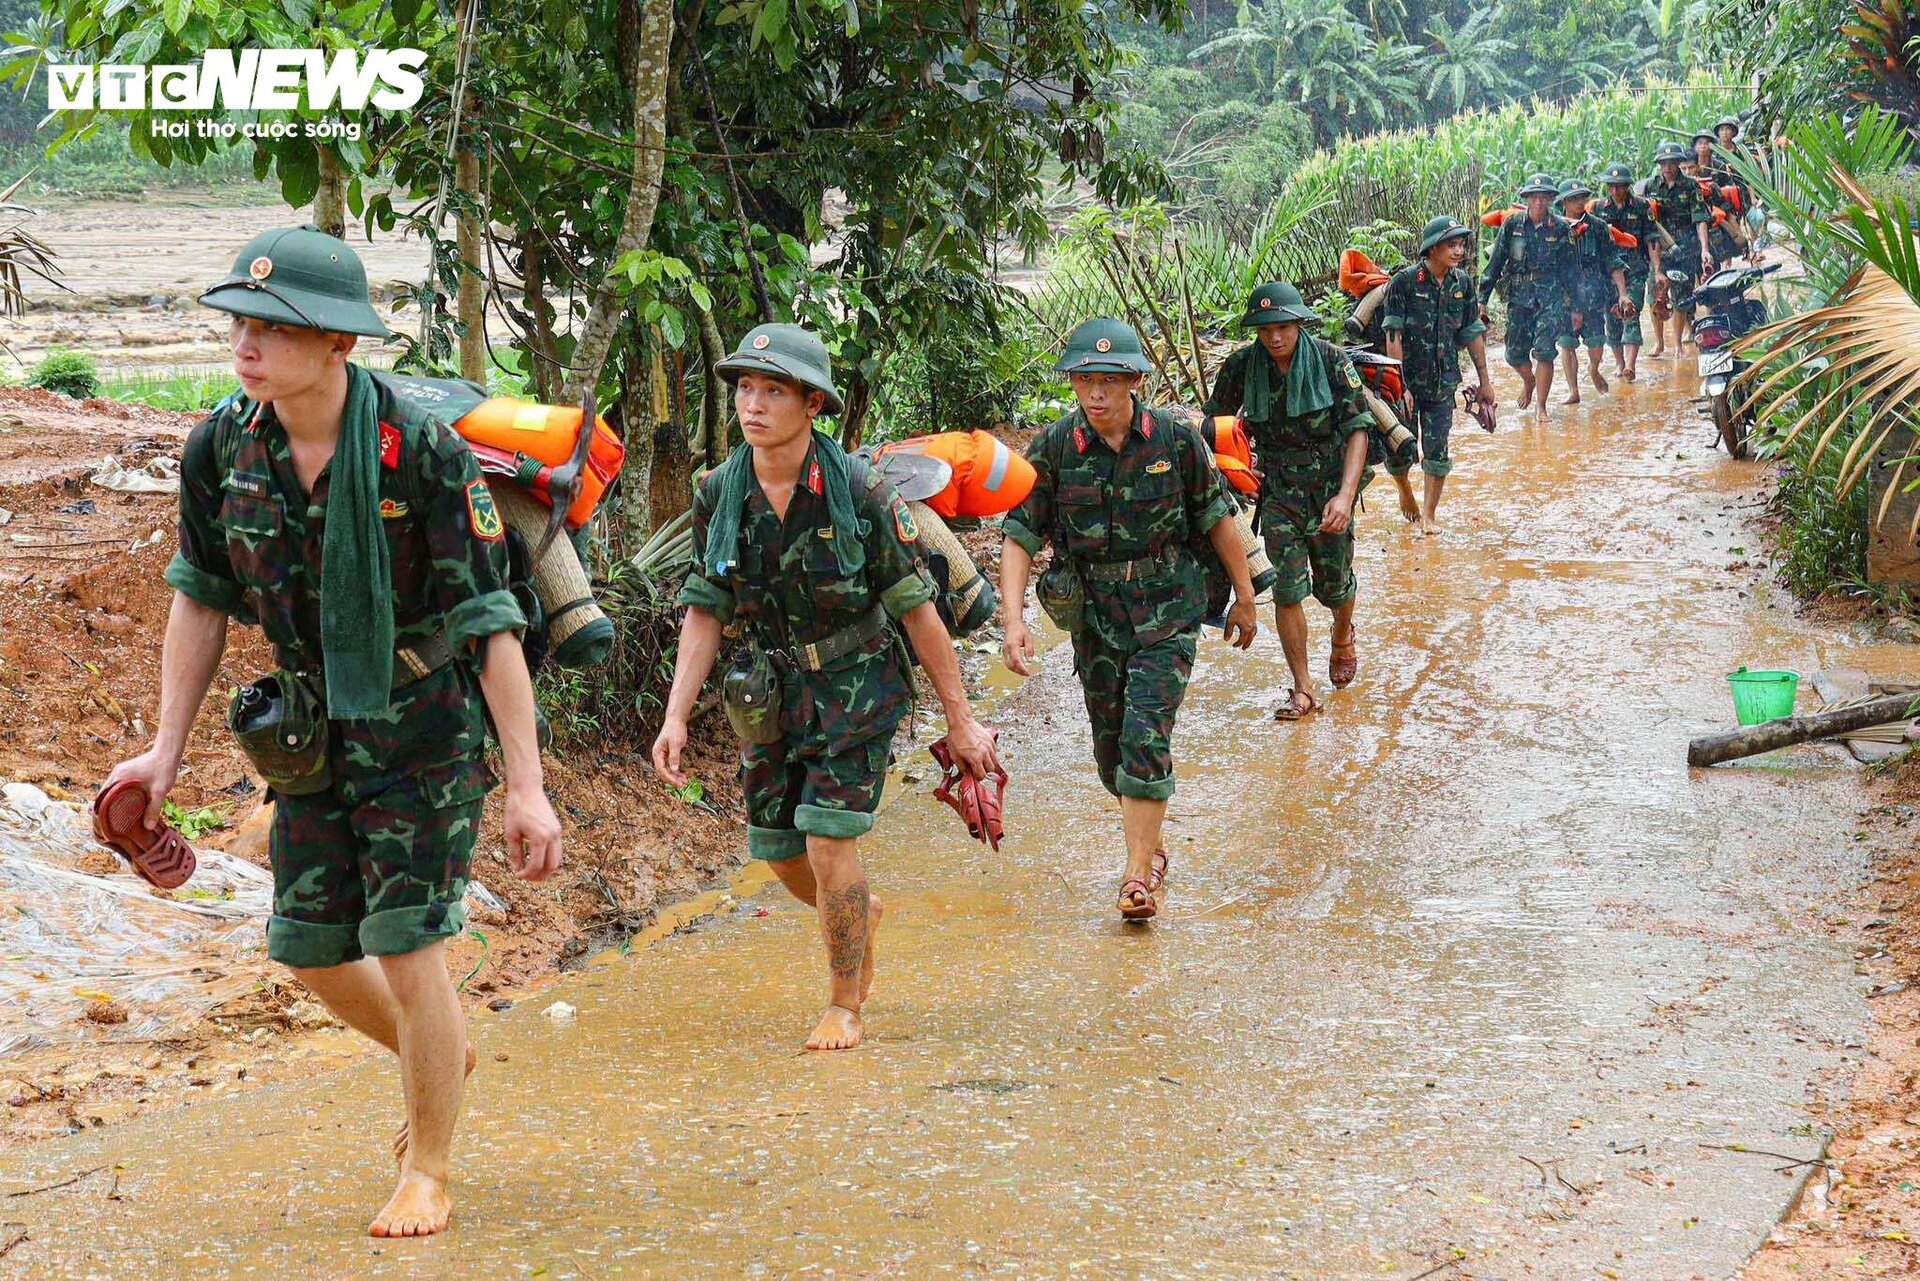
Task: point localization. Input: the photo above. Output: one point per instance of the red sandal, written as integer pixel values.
(162, 858)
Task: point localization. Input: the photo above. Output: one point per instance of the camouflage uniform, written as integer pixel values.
(1151, 501)
(377, 864)
(1595, 259)
(1635, 217)
(824, 774)
(1679, 208)
(1536, 264)
(1435, 320)
(1302, 462)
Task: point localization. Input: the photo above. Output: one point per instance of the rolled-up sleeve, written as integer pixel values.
(200, 569)
(1027, 525)
(467, 542)
(699, 591)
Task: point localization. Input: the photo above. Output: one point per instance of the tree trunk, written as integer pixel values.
(713, 404)
(669, 485)
(1788, 730)
(545, 353)
(636, 474)
(473, 271)
(651, 66)
(330, 201)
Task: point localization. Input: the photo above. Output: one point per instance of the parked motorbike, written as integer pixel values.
(1723, 314)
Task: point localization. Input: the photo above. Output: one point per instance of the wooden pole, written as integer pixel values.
(1788, 730)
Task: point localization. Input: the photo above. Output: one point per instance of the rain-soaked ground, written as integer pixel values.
(1468, 967)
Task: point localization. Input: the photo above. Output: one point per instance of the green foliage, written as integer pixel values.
(1794, 52)
(196, 823)
(183, 391)
(1822, 537)
(71, 373)
(104, 165)
(620, 701)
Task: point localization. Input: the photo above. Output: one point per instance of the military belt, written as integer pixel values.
(1125, 571)
(816, 656)
(411, 665)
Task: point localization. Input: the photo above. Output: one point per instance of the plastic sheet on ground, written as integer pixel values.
(160, 476)
(69, 938)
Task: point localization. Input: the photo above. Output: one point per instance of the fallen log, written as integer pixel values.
(1788, 730)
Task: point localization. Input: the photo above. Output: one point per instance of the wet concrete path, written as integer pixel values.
(1469, 963)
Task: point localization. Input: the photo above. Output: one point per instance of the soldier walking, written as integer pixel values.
(1633, 216)
(1431, 314)
(1599, 288)
(1532, 257)
(1128, 498)
(818, 571)
(358, 534)
(1683, 216)
(1300, 398)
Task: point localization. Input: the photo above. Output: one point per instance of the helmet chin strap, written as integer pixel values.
(259, 287)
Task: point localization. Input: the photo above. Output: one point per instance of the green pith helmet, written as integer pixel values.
(299, 276)
(1103, 345)
(1724, 121)
(1618, 173)
(1706, 133)
(1573, 187)
(1277, 304)
(1671, 151)
(1539, 184)
(1440, 230)
(788, 351)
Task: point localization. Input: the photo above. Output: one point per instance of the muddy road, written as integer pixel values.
(1468, 968)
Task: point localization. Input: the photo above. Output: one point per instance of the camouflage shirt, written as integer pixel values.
(1435, 319)
(1301, 456)
(1595, 258)
(250, 546)
(789, 591)
(1636, 219)
(1535, 261)
(1678, 208)
(1153, 498)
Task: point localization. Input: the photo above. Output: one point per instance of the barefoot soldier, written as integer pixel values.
(1127, 496)
(1683, 215)
(1626, 212)
(1599, 288)
(1531, 257)
(357, 533)
(1300, 398)
(816, 565)
(1431, 314)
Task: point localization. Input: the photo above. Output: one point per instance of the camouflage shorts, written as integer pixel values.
(795, 786)
(1435, 419)
(1309, 562)
(1532, 331)
(1132, 698)
(1627, 332)
(1595, 298)
(381, 876)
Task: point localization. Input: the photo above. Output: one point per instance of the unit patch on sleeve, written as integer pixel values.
(485, 516)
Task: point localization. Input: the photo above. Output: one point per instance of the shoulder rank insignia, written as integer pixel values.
(1156, 468)
(484, 516)
(389, 446)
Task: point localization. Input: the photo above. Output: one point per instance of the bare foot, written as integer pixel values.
(419, 1207)
(400, 1135)
(1409, 507)
(875, 910)
(1658, 353)
(1540, 411)
(1573, 398)
(1630, 376)
(839, 1030)
(1599, 382)
(1526, 397)
(1429, 526)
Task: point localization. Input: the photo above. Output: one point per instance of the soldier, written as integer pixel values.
(1300, 398)
(1533, 256)
(358, 534)
(1632, 215)
(1599, 287)
(1129, 498)
(1431, 314)
(1683, 215)
(819, 570)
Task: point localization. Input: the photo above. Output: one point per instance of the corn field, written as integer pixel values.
(1182, 284)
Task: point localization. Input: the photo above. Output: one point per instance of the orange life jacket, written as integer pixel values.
(532, 440)
(1498, 217)
(1358, 274)
(988, 478)
(1233, 451)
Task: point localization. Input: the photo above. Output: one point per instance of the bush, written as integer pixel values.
(71, 373)
(618, 704)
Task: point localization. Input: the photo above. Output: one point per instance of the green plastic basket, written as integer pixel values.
(1759, 697)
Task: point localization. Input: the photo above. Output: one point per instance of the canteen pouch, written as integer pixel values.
(281, 726)
(1062, 595)
(751, 693)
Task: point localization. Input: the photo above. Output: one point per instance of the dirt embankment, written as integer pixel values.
(83, 610)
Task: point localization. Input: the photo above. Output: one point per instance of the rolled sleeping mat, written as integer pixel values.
(579, 634)
(1389, 422)
(1364, 309)
(1258, 564)
(969, 592)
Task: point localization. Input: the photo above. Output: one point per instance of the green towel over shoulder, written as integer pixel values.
(836, 478)
(356, 578)
(1307, 389)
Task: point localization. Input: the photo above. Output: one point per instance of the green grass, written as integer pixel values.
(189, 391)
(105, 167)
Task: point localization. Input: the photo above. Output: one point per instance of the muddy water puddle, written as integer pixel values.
(1469, 962)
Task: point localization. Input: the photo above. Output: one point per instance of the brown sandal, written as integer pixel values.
(1343, 663)
(162, 858)
(1290, 709)
(1133, 887)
